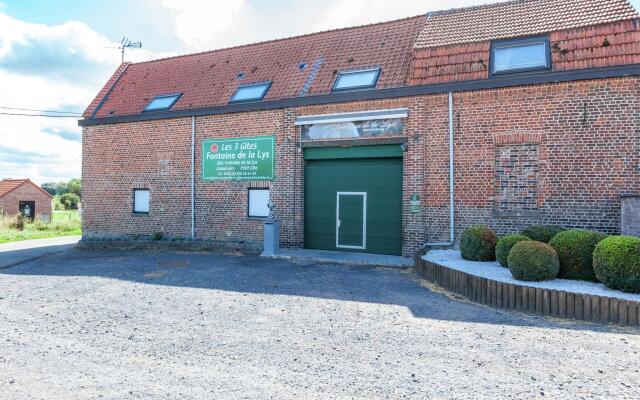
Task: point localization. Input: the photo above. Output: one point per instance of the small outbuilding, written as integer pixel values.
(24, 197)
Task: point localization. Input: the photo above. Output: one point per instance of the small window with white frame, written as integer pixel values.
(258, 202)
(360, 79)
(520, 55)
(141, 201)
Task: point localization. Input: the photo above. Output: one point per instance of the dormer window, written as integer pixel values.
(255, 91)
(164, 102)
(520, 55)
(361, 79)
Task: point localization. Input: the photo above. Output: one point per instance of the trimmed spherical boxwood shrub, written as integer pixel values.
(575, 252)
(533, 261)
(542, 233)
(504, 245)
(616, 261)
(478, 243)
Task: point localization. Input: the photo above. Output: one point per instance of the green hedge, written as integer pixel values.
(504, 245)
(478, 243)
(533, 261)
(616, 261)
(575, 252)
(542, 233)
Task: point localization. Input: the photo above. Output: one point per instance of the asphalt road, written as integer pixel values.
(16, 252)
(149, 325)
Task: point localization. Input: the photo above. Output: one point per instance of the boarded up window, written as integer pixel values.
(517, 177)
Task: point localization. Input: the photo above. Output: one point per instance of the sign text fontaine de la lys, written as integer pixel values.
(248, 159)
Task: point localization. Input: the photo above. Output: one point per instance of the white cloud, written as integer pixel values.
(199, 22)
(35, 147)
(69, 51)
(44, 67)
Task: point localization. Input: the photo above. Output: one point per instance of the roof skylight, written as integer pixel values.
(520, 55)
(163, 102)
(361, 79)
(255, 91)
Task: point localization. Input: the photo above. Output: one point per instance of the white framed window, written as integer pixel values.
(258, 202)
(360, 79)
(520, 55)
(141, 201)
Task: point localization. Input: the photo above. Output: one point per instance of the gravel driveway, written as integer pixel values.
(136, 325)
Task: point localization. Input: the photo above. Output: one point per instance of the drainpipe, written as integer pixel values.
(452, 236)
(193, 182)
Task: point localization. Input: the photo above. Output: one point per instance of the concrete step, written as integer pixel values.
(342, 257)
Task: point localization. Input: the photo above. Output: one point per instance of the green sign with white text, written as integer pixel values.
(415, 203)
(238, 159)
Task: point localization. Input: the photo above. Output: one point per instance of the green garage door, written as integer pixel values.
(353, 199)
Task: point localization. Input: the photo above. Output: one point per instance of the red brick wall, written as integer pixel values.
(587, 148)
(26, 192)
(587, 135)
(221, 207)
(116, 159)
(590, 47)
(156, 155)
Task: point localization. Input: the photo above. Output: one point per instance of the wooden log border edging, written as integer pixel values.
(531, 300)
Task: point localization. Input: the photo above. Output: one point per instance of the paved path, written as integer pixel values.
(152, 325)
(16, 252)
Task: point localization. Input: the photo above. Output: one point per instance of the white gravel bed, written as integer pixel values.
(492, 270)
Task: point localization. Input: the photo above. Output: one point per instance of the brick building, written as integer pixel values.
(24, 196)
(380, 138)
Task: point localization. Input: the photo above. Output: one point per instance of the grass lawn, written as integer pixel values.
(63, 223)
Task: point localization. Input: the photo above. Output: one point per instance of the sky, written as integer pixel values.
(56, 55)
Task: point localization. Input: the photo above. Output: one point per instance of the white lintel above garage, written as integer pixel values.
(352, 116)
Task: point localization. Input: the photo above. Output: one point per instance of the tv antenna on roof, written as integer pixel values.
(125, 43)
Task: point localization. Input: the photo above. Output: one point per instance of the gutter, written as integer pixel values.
(193, 177)
(452, 236)
(536, 78)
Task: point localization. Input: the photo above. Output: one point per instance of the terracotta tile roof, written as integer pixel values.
(596, 46)
(105, 89)
(210, 78)
(8, 185)
(518, 18)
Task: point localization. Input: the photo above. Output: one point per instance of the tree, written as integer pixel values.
(50, 187)
(75, 186)
(62, 188)
(57, 204)
(70, 201)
